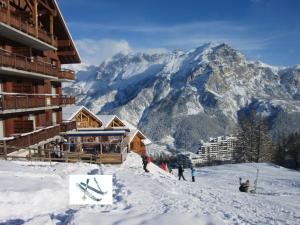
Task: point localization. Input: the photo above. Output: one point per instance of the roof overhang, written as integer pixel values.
(19, 36)
(95, 133)
(67, 50)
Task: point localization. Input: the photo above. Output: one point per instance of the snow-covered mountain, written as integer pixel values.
(178, 98)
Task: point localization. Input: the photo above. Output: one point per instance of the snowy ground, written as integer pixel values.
(37, 193)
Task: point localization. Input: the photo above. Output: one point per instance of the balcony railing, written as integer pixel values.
(23, 126)
(66, 74)
(26, 101)
(68, 126)
(15, 61)
(18, 22)
(25, 140)
(67, 100)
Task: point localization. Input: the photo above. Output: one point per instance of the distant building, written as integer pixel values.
(220, 149)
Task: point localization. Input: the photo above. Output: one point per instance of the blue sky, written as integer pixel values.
(266, 30)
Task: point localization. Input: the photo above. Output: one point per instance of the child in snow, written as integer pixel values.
(193, 172)
(244, 186)
(145, 162)
(180, 172)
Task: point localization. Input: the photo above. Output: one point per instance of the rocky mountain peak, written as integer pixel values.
(199, 93)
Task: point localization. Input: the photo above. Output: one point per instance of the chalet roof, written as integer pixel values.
(107, 119)
(96, 133)
(69, 112)
(134, 131)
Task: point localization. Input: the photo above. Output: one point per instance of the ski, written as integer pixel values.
(89, 194)
(92, 189)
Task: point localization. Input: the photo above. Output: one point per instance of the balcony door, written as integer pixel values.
(54, 118)
(1, 129)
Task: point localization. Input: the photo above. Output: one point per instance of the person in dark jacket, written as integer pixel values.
(180, 172)
(244, 186)
(145, 162)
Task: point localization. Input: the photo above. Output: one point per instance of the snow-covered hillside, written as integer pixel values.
(37, 193)
(177, 94)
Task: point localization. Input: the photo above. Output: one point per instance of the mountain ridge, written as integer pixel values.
(192, 95)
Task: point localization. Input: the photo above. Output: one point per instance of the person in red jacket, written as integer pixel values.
(148, 159)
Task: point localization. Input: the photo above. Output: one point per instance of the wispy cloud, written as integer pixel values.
(177, 28)
(95, 51)
(160, 38)
(184, 35)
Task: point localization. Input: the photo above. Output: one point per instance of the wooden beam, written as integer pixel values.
(35, 17)
(66, 53)
(8, 11)
(29, 4)
(46, 6)
(64, 43)
(52, 28)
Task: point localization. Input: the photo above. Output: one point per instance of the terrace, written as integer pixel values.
(21, 101)
(19, 28)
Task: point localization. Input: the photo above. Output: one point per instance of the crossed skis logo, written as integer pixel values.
(90, 189)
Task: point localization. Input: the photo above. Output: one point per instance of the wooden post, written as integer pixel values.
(5, 149)
(51, 28)
(100, 145)
(79, 144)
(69, 144)
(8, 11)
(35, 17)
(29, 154)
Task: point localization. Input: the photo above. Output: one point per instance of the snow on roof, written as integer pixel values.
(69, 112)
(134, 131)
(107, 119)
(82, 133)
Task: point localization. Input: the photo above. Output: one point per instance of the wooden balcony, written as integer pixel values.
(19, 62)
(62, 100)
(23, 126)
(30, 101)
(66, 75)
(68, 126)
(25, 140)
(22, 24)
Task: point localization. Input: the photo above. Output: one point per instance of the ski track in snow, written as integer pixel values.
(38, 194)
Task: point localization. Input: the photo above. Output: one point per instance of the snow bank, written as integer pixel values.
(37, 193)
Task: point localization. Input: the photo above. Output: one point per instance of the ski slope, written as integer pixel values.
(37, 193)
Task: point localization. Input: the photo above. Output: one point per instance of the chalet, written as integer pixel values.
(34, 43)
(137, 141)
(107, 137)
(106, 144)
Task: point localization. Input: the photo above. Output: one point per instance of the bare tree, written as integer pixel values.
(254, 143)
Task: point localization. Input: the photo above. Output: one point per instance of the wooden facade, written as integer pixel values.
(85, 120)
(116, 122)
(34, 43)
(136, 144)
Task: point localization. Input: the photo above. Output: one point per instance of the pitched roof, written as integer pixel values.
(69, 112)
(107, 119)
(134, 131)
